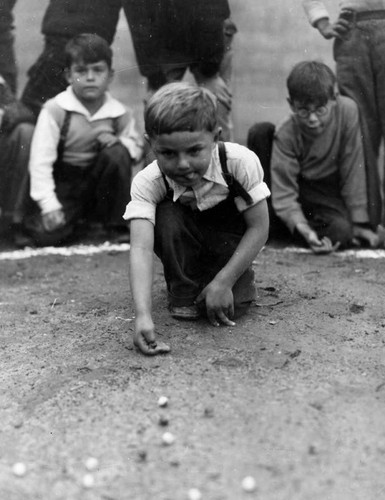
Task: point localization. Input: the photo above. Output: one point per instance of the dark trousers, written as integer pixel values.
(46, 76)
(194, 246)
(100, 192)
(321, 199)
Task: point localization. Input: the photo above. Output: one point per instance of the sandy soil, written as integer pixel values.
(293, 395)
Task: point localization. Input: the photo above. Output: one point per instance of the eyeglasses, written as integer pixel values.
(305, 113)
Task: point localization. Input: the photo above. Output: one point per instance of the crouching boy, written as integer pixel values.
(83, 148)
(202, 207)
(318, 180)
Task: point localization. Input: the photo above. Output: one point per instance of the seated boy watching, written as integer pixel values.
(16, 130)
(83, 148)
(203, 214)
(317, 167)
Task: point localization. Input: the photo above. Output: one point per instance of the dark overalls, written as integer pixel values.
(195, 245)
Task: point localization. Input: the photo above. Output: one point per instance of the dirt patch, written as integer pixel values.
(293, 395)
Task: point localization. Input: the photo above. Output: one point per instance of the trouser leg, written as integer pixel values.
(193, 253)
(109, 185)
(8, 68)
(14, 157)
(46, 76)
(356, 73)
(179, 245)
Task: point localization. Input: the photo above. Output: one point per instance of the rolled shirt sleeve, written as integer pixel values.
(315, 10)
(147, 191)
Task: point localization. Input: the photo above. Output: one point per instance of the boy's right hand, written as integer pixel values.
(219, 302)
(144, 338)
(339, 29)
(319, 246)
(53, 220)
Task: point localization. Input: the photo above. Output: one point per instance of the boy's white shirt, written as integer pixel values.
(46, 138)
(316, 10)
(148, 186)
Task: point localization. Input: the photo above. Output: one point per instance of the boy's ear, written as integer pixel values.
(112, 74)
(68, 76)
(217, 134)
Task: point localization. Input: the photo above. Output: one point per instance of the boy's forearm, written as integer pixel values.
(141, 265)
(141, 277)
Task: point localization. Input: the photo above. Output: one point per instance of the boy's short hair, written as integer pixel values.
(88, 48)
(180, 107)
(311, 82)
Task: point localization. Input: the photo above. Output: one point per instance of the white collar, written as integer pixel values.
(213, 174)
(111, 108)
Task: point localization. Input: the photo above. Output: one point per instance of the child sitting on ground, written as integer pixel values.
(83, 148)
(317, 167)
(202, 207)
(16, 129)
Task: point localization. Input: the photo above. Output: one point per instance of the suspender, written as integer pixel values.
(236, 189)
(63, 136)
(64, 131)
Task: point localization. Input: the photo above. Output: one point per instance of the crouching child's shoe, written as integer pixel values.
(185, 312)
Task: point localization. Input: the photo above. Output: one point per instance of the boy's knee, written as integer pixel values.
(33, 227)
(260, 133)
(116, 154)
(244, 291)
(22, 133)
(340, 230)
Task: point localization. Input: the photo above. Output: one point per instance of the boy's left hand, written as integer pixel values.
(219, 303)
(374, 239)
(107, 140)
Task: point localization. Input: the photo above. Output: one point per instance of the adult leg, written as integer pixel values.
(8, 69)
(356, 79)
(46, 76)
(226, 73)
(143, 19)
(378, 59)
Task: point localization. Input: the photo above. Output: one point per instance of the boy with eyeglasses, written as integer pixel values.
(317, 167)
(358, 36)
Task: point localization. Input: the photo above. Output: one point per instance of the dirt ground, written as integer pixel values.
(292, 396)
